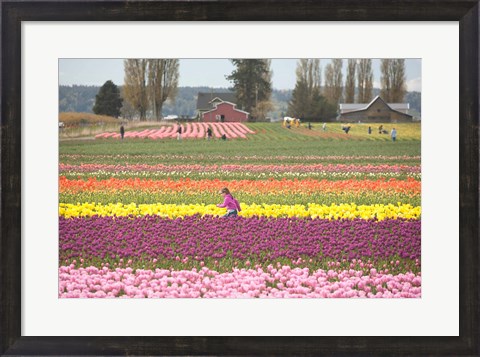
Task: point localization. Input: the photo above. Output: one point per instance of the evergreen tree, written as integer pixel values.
(252, 82)
(301, 100)
(321, 108)
(108, 100)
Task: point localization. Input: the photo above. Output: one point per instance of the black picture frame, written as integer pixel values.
(466, 12)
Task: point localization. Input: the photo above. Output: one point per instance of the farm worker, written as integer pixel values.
(380, 129)
(369, 130)
(209, 134)
(179, 132)
(309, 126)
(224, 137)
(230, 203)
(122, 131)
(324, 126)
(393, 134)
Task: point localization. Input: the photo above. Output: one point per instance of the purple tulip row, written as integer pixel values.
(283, 282)
(259, 238)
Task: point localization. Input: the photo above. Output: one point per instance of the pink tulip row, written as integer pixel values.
(282, 282)
(189, 131)
(242, 168)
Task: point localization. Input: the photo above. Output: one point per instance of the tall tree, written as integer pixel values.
(307, 100)
(338, 79)
(252, 82)
(334, 81)
(393, 80)
(328, 86)
(127, 111)
(365, 80)
(350, 81)
(108, 100)
(136, 85)
(308, 81)
(163, 77)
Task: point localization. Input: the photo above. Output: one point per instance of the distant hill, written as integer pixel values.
(79, 98)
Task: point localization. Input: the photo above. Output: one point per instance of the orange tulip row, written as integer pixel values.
(408, 187)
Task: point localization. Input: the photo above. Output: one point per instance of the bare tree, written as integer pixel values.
(350, 81)
(334, 81)
(135, 87)
(127, 111)
(386, 79)
(365, 80)
(338, 79)
(398, 81)
(393, 80)
(162, 83)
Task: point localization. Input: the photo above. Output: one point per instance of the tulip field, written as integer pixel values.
(322, 216)
(189, 131)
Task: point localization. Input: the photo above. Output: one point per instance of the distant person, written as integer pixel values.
(179, 132)
(122, 131)
(209, 133)
(288, 124)
(380, 129)
(369, 130)
(324, 126)
(230, 203)
(347, 129)
(309, 126)
(224, 137)
(393, 134)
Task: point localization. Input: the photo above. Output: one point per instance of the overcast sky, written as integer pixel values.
(209, 72)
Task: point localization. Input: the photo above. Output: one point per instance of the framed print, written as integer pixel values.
(68, 211)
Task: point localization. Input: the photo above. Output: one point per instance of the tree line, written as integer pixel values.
(150, 83)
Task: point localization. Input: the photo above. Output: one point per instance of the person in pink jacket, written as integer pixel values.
(230, 203)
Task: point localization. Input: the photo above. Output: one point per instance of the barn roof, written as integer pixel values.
(204, 99)
(358, 107)
(234, 106)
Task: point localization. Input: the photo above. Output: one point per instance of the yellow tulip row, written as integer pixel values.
(313, 210)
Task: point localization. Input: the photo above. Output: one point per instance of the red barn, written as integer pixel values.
(224, 112)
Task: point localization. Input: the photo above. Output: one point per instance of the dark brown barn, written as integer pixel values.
(377, 111)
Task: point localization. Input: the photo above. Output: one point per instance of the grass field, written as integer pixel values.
(272, 143)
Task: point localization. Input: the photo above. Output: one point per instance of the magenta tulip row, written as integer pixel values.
(283, 282)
